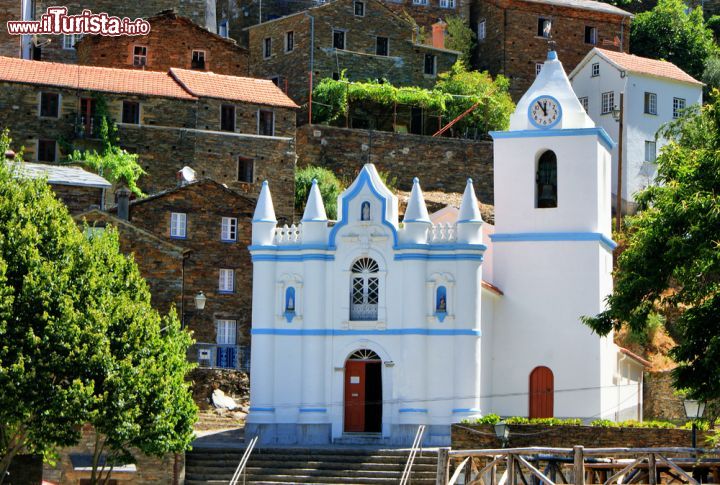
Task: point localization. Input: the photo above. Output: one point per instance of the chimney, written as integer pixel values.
(438, 34)
(123, 202)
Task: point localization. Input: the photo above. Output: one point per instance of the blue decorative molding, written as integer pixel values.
(333, 332)
(605, 241)
(362, 180)
(313, 410)
(437, 257)
(290, 247)
(441, 247)
(261, 409)
(292, 257)
(413, 410)
(598, 131)
(465, 410)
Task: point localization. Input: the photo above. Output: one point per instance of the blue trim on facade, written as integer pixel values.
(290, 247)
(606, 242)
(599, 132)
(313, 410)
(333, 332)
(362, 180)
(267, 410)
(438, 257)
(412, 410)
(274, 221)
(292, 257)
(441, 247)
(544, 127)
(466, 410)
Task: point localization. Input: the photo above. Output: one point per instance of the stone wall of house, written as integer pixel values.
(440, 163)
(513, 48)
(467, 436)
(404, 66)
(659, 399)
(172, 134)
(199, 11)
(429, 13)
(9, 44)
(78, 198)
(149, 470)
(171, 42)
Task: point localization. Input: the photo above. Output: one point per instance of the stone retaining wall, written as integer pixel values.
(440, 163)
(659, 399)
(473, 436)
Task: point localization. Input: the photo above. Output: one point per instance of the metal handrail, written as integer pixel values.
(417, 445)
(243, 461)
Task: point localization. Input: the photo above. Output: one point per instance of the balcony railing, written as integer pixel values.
(221, 356)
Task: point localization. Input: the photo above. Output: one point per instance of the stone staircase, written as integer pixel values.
(337, 465)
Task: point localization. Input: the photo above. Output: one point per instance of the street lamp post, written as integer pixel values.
(618, 115)
(694, 410)
(502, 431)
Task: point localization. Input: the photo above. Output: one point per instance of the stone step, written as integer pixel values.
(318, 465)
(313, 452)
(194, 459)
(307, 479)
(308, 470)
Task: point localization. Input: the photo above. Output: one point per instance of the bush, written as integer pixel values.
(329, 185)
(460, 37)
(711, 74)
(492, 419)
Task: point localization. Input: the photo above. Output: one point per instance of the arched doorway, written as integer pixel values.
(542, 389)
(363, 392)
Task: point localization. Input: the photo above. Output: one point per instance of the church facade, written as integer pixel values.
(369, 327)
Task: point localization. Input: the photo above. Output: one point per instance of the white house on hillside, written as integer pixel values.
(366, 328)
(655, 93)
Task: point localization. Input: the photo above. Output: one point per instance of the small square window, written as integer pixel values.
(596, 69)
(538, 68)
(139, 55)
(678, 106)
(590, 35)
(420, 2)
(69, 41)
(227, 117)
(228, 229)
(447, 3)
(198, 60)
(381, 46)
(608, 102)
(266, 122)
(650, 103)
(178, 225)
(226, 283)
(584, 101)
(430, 65)
(47, 151)
(289, 41)
(650, 151)
(544, 27)
(50, 105)
(481, 33)
(359, 9)
(246, 168)
(226, 332)
(267, 48)
(131, 112)
(339, 39)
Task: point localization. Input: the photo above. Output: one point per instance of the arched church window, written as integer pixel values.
(365, 290)
(364, 354)
(546, 179)
(365, 211)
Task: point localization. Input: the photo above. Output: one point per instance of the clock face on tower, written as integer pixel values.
(544, 112)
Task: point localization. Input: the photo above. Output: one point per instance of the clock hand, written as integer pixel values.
(544, 108)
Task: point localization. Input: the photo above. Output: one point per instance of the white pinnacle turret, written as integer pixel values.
(314, 209)
(469, 210)
(416, 209)
(264, 210)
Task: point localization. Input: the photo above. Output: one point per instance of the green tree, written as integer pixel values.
(672, 261)
(79, 342)
(460, 37)
(711, 75)
(671, 32)
(329, 185)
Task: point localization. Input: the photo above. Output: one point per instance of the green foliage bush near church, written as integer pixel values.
(493, 419)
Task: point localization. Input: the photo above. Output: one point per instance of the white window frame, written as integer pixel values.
(482, 30)
(74, 39)
(225, 332)
(226, 280)
(595, 69)
(650, 151)
(273, 121)
(267, 48)
(607, 102)
(135, 57)
(204, 57)
(178, 225)
(420, 2)
(585, 103)
(651, 108)
(228, 229)
(542, 34)
(447, 3)
(538, 68)
(287, 47)
(59, 110)
(355, 2)
(678, 105)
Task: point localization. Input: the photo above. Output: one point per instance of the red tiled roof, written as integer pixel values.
(651, 67)
(244, 89)
(491, 287)
(634, 356)
(89, 78)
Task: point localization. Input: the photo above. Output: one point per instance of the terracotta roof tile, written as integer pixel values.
(634, 356)
(244, 89)
(89, 78)
(644, 65)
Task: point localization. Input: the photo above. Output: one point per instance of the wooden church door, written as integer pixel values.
(363, 392)
(542, 389)
(355, 396)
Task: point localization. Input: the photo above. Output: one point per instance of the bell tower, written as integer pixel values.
(552, 243)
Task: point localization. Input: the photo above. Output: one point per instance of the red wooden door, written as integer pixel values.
(542, 388)
(355, 396)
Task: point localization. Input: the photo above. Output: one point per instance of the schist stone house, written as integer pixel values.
(367, 326)
(363, 37)
(59, 48)
(655, 93)
(173, 41)
(234, 130)
(513, 35)
(189, 240)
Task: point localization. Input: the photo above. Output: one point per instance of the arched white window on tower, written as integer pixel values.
(364, 290)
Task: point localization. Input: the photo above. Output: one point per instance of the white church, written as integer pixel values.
(370, 326)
